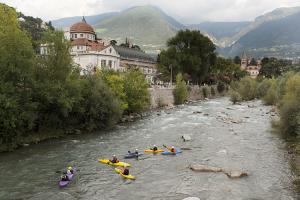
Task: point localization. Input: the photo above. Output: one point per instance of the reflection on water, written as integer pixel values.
(223, 135)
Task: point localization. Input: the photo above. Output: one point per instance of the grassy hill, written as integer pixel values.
(93, 19)
(146, 26)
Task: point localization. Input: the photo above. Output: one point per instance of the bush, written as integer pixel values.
(221, 87)
(99, 108)
(212, 91)
(136, 89)
(205, 92)
(247, 88)
(270, 97)
(263, 87)
(180, 92)
(235, 96)
(290, 106)
(116, 83)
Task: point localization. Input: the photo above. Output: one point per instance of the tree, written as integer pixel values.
(57, 89)
(253, 62)
(136, 89)
(17, 111)
(180, 92)
(272, 67)
(188, 52)
(113, 42)
(237, 60)
(225, 70)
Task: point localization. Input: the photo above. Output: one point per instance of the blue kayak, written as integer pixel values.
(171, 153)
(132, 155)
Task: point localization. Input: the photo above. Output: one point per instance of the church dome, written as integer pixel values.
(82, 27)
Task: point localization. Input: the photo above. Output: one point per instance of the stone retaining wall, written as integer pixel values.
(164, 96)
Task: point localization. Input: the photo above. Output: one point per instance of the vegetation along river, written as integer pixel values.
(233, 137)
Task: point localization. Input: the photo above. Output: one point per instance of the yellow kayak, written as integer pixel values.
(121, 164)
(152, 151)
(118, 170)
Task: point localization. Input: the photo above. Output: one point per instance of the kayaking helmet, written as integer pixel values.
(114, 155)
(172, 147)
(136, 149)
(154, 145)
(70, 168)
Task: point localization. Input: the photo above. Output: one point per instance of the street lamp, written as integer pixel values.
(171, 67)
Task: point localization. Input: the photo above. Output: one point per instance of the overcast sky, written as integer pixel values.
(185, 11)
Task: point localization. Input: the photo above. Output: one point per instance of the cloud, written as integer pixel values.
(186, 11)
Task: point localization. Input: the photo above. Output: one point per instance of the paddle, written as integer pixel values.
(169, 149)
(166, 147)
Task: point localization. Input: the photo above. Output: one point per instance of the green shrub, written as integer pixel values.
(235, 96)
(270, 97)
(212, 91)
(221, 87)
(136, 89)
(99, 108)
(263, 87)
(247, 88)
(180, 92)
(290, 106)
(281, 82)
(205, 92)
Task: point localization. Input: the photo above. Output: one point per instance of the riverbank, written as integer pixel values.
(161, 98)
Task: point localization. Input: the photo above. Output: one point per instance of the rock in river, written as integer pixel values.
(204, 168)
(236, 174)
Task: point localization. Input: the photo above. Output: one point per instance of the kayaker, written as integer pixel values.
(172, 149)
(136, 152)
(125, 171)
(114, 159)
(64, 177)
(70, 170)
(154, 148)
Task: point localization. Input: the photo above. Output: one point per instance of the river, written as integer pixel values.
(233, 137)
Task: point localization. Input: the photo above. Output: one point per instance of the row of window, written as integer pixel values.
(109, 64)
(81, 35)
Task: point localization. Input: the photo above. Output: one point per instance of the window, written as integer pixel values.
(75, 35)
(110, 50)
(77, 47)
(81, 35)
(110, 63)
(103, 63)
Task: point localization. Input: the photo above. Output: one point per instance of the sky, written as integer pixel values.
(185, 11)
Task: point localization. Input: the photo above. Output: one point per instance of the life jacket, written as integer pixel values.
(173, 150)
(126, 171)
(115, 160)
(154, 149)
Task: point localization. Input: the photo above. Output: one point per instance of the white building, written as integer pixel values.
(89, 52)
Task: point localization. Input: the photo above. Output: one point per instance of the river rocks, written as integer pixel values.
(230, 174)
(206, 114)
(186, 137)
(186, 149)
(204, 168)
(191, 198)
(197, 112)
(236, 174)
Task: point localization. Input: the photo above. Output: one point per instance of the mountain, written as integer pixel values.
(68, 21)
(220, 30)
(146, 26)
(273, 34)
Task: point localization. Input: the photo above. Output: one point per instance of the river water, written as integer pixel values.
(233, 137)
